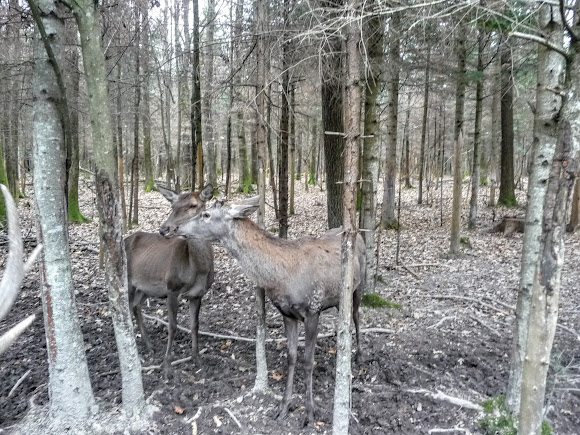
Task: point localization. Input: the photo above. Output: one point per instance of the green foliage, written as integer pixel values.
(311, 179)
(484, 181)
(465, 241)
(273, 229)
(508, 202)
(375, 301)
(390, 226)
(547, 428)
(499, 421)
(248, 187)
(151, 187)
(379, 278)
(75, 215)
(297, 176)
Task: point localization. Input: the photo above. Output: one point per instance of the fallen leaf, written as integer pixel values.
(225, 346)
(332, 351)
(178, 409)
(276, 376)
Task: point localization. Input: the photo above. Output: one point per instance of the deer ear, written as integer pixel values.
(245, 208)
(207, 193)
(170, 195)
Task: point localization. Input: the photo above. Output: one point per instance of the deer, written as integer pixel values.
(162, 266)
(301, 277)
(14, 273)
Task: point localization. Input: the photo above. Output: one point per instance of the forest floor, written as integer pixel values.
(452, 334)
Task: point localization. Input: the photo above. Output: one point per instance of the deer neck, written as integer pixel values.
(256, 251)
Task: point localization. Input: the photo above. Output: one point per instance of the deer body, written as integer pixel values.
(301, 277)
(162, 267)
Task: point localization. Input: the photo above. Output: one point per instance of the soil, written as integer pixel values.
(452, 334)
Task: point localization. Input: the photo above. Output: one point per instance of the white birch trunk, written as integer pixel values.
(548, 104)
(71, 395)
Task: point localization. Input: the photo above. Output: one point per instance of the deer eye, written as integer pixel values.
(205, 215)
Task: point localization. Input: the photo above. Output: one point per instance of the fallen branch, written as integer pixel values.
(465, 298)
(18, 383)
(410, 271)
(195, 417)
(423, 265)
(439, 395)
(252, 340)
(481, 322)
(440, 322)
(449, 430)
(233, 417)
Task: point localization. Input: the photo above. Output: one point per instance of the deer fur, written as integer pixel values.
(301, 277)
(162, 266)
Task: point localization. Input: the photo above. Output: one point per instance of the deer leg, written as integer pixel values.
(194, 306)
(356, 317)
(292, 338)
(172, 322)
(311, 329)
(135, 302)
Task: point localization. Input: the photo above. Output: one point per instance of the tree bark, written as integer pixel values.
(371, 143)
(495, 130)
(107, 187)
(507, 194)
(196, 135)
(146, 110)
(388, 219)
(71, 395)
(342, 390)
(574, 209)
(208, 134)
(458, 138)
(477, 133)
(284, 130)
(550, 71)
(333, 122)
(424, 127)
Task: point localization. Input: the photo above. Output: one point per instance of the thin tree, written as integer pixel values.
(424, 127)
(196, 133)
(146, 109)
(70, 391)
(507, 194)
(87, 16)
(284, 128)
(575, 208)
(207, 102)
(477, 132)
(333, 122)
(342, 390)
(547, 110)
(460, 77)
(388, 219)
(370, 164)
(261, 383)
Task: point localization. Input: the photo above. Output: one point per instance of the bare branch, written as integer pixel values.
(540, 40)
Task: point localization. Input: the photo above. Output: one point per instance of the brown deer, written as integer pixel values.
(162, 266)
(301, 277)
(14, 272)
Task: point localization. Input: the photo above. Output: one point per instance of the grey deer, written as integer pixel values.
(13, 273)
(301, 277)
(162, 266)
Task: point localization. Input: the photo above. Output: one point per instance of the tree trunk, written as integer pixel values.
(74, 213)
(342, 390)
(333, 125)
(548, 103)
(120, 151)
(424, 127)
(261, 383)
(371, 143)
(407, 144)
(388, 219)
(196, 138)
(547, 277)
(495, 131)
(70, 391)
(284, 124)
(146, 110)
(574, 209)
(134, 208)
(458, 138)
(208, 134)
(507, 194)
(292, 152)
(477, 133)
(107, 188)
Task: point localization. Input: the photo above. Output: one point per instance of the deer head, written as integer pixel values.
(215, 223)
(184, 206)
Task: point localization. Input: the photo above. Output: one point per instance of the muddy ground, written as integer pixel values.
(452, 334)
